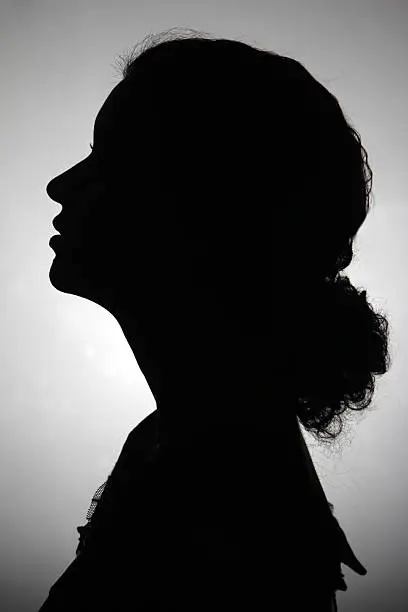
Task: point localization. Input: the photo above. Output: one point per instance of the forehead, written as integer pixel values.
(127, 113)
(112, 110)
(127, 132)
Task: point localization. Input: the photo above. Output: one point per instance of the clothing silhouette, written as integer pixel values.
(210, 528)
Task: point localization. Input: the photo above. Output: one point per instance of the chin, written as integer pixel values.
(65, 278)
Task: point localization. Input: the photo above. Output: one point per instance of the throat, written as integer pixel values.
(248, 425)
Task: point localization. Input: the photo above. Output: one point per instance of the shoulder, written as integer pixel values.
(147, 428)
(132, 458)
(141, 439)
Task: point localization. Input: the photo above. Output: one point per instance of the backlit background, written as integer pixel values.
(71, 390)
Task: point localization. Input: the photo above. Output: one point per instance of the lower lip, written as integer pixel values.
(56, 241)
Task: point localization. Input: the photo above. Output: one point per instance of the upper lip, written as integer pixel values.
(57, 228)
(60, 225)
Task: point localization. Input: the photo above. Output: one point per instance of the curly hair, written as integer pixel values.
(253, 136)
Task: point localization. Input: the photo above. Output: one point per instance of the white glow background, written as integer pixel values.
(71, 389)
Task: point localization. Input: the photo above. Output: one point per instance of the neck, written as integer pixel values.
(252, 412)
(212, 377)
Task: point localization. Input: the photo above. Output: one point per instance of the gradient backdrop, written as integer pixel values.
(71, 389)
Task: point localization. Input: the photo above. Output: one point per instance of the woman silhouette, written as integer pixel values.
(212, 218)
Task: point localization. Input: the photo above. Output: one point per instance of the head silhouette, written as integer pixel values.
(217, 207)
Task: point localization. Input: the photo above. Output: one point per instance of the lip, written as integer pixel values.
(57, 225)
(56, 241)
(62, 225)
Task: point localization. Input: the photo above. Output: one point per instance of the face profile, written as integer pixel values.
(87, 260)
(116, 250)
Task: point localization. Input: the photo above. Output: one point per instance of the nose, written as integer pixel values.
(90, 188)
(71, 177)
(57, 187)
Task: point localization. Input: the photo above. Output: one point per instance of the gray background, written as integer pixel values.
(70, 387)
